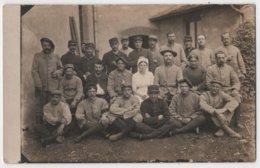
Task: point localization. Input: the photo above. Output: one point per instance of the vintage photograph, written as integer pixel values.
(138, 83)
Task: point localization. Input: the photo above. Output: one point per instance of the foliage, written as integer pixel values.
(245, 40)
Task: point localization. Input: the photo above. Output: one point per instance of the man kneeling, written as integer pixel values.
(89, 113)
(156, 116)
(185, 109)
(124, 113)
(56, 120)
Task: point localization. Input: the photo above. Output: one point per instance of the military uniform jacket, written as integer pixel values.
(72, 88)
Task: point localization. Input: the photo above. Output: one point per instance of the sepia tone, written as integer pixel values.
(99, 23)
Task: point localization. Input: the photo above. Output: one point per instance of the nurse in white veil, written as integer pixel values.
(142, 79)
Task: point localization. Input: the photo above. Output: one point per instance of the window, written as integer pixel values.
(193, 26)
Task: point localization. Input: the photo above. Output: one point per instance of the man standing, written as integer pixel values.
(185, 109)
(234, 57)
(46, 72)
(166, 76)
(220, 106)
(71, 87)
(109, 58)
(88, 61)
(56, 120)
(125, 48)
(89, 113)
(117, 78)
(157, 58)
(70, 57)
(206, 56)
(188, 45)
(99, 79)
(195, 73)
(156, 117)
(139, 51)
(180, 59)
(124, 113)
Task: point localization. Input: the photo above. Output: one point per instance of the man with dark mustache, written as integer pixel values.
(46, 72)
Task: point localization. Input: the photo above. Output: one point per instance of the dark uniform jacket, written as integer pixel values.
(87, 64)
(70, 58)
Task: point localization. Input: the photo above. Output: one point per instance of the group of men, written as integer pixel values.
(191, 86)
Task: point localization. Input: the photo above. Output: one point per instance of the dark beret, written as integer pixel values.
(113, 40)
(153, 89)
(185, 81)
(45, 39)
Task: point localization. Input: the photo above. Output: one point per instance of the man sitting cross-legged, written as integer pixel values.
(220, 107)
(185, 109)
(89, 113)
(56, 120)
(156, 116)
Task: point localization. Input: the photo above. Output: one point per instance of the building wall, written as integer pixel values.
(41, 21)
(214, 21)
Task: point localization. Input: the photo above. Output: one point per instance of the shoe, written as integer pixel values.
(60, 139)
(235, 135)
(77, 140)
(115, 137)
(219, 133)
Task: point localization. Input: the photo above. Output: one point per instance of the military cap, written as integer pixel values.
(185, 81)
(193, 55)
(113, 40)
(68, 66)
(123, 59)
(154, 37)
(124, 38)
(153, 89)
(167, 50)
(126, 86)
(72, 42)
(91, 86)
(187, 38)
(99, 62)
(56, 92)
(89, 44)
(138, 38)
(216, 81)
(44, 39)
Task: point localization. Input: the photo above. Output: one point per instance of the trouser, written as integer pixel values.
(47, 130)
(42, 98)
(236, 116)
(124, 125)
(90, 128)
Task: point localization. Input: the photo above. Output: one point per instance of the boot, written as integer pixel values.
(231, 132)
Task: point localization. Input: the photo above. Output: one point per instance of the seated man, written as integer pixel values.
(220, 106)
(89, 112)
(118, 77)
(195, 73)
(156, 116)
(124, 113)
(56, 120)
(71, 87)
(185, 109)
(99, 78)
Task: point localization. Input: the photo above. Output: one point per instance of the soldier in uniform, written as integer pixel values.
(156, 55)
(167, 75)
(70, 57)
(180, 59)
(87, 62)
(188, 45)
(137, 52)
(46, 73)
(125, 48)
(109, 58)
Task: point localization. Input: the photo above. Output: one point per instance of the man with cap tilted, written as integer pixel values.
(206, 56)
(89, 113)
(137, 52)
(117, 78)
(220, 107)
(156, 117)
(156, 55)
(56, 120)
(180, 58)
(124, 113)
(125, 48)
(71, 87)
(109, 58)
(234, 57)
(87, 62)
(188, 45)
(195, 73)
(167, 75)
(46, 72)
(185, 109)
(70, 57)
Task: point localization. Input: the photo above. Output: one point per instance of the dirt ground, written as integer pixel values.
(190, 147)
